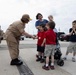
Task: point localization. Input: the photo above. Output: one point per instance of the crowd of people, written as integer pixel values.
(46, 43)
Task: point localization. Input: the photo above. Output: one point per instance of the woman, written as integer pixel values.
(40, 20)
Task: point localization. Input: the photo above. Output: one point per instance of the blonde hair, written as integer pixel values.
(50, 16)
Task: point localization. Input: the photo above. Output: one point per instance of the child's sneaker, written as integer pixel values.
(52, 67)
(46, 68)
(64, 58)
(73, 59)
(42, 60)
(38, 59)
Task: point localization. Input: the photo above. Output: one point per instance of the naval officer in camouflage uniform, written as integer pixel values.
(12, 35)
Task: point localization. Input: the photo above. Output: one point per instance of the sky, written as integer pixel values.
(63, 11)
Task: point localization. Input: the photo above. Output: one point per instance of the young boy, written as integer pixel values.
(72, 46)
(40, 48)
(50, 44)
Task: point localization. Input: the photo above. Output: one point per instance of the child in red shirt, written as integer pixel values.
(50, 45)
(40, 48)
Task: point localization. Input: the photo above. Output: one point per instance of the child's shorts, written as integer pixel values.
(40, 48)
(72, 47)
(49, 50)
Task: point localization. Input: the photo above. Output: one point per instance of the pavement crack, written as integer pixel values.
(24, 69)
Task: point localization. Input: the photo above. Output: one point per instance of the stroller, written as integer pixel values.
(58, 54)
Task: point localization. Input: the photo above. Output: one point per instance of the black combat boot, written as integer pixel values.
(16, 62)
